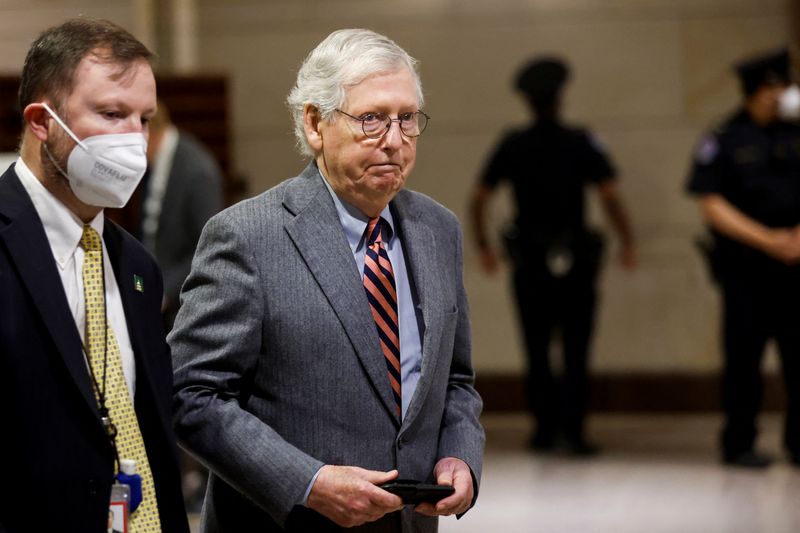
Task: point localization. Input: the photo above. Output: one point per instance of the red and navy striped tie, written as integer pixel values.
(382, 296)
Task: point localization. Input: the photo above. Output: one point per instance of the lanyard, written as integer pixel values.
(105, 416)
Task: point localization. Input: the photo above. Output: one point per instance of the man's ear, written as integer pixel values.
(38, 119)
(311, 122)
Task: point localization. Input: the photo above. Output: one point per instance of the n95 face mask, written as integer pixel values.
(103, 170)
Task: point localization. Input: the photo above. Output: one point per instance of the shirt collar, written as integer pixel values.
(166, 151)
(62, 227)
(354, 222)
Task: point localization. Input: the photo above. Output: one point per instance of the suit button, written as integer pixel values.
(92, 486)
(401, 442)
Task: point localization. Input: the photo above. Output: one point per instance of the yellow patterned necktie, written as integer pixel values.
(106, 365)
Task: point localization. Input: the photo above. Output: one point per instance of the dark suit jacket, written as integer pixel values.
(279, 368)
(193, 195)
(57, 459)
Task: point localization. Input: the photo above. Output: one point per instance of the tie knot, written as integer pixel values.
(374, 231)
(90, 240)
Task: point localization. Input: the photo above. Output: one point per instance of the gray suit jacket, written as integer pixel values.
(278, 368)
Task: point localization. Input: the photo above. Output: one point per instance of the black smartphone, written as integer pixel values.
(414, 492)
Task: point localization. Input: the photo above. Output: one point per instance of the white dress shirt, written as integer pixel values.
(157, 187)
(64, 231)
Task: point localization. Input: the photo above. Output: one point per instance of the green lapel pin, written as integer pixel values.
(138, 283)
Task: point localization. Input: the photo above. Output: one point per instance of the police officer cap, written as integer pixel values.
(542, 77)
(764, 69)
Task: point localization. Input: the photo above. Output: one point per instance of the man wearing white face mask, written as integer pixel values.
(746, 175)
(102, 170)
(85, 372)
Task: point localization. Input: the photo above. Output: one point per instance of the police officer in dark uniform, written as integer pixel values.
(746, 176)
(555, 256)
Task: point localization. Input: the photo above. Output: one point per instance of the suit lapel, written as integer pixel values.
(132, 302)
(137, 317)
(124, 276)
(320, 240)
(420, 251)
(30, 251)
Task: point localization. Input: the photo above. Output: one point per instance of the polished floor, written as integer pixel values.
(656, 474)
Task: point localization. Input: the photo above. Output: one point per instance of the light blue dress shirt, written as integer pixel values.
(354, 223)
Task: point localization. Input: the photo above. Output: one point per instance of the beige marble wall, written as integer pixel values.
(649, 76)
(22, 20)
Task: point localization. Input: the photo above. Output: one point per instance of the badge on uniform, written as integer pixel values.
(707, 150)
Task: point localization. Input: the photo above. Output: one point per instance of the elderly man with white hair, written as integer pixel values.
(322, 352)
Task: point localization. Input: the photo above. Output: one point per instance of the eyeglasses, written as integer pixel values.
(375, 125)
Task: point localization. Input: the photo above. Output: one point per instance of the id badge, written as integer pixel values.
(119, 508)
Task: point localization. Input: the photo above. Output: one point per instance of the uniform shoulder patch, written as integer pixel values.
(707, 149)
(596, 142)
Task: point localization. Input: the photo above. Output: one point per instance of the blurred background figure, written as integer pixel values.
(746, 176)
(181, 190)
(554, 254)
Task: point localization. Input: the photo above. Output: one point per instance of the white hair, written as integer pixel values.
(345, 58)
